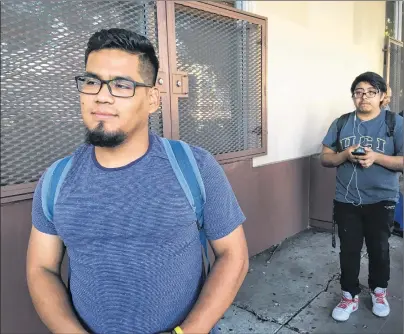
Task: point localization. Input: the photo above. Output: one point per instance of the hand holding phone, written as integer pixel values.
(359, 151)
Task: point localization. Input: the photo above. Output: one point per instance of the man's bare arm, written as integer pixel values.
(330, 158)
(222, 285)
(48, 292)
(395, 163)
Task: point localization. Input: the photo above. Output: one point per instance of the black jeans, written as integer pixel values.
(373, 223)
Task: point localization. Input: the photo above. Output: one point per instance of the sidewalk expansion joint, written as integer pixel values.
(264, 319)
(333, 278)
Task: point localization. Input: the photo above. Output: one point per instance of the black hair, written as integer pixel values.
(374, 79)
(131, 42)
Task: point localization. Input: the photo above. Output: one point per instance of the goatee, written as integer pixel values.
(99, 137)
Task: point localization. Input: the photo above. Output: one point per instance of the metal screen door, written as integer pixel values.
(42, 49)
(212, 78)
(395, 73)
(222, 55)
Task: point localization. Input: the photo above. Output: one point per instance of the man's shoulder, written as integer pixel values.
(74, 157)
(341, 121)
(399, 118)
(81, 150)
(204, 159)
(200, 153)
(399, 122)
(202, 156)
(344, 117)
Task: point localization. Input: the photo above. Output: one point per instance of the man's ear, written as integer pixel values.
(154, 99)
(383, 100)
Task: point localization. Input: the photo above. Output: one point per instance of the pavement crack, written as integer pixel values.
(286, 324)
(265, 319)
(276, 247)
(333, 278)
(260, 318)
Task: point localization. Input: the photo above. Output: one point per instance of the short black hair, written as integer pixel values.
(131, 42)
(373, 79)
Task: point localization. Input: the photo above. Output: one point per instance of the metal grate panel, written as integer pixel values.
(395, 82)
(222, 57)
(42, 49)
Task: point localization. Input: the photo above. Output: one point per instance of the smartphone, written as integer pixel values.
(359, 151)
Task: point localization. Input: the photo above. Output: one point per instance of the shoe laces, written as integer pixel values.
(345, 302)
(380, 297)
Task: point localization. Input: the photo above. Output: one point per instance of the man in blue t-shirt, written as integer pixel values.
(134, 252)
(366, 191)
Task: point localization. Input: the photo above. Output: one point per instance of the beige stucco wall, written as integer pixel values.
(315, 50)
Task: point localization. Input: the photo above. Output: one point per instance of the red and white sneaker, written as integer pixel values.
(381, 307)
(346, 306)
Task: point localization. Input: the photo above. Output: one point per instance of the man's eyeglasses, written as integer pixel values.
(359, 93)
(118, 87)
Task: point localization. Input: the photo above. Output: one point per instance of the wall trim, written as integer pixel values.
(320, 224)
(286, 160)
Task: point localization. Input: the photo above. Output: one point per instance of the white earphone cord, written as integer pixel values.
(354, 170)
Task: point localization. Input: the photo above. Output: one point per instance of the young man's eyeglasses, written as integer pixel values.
(118, 87)
(357, 94)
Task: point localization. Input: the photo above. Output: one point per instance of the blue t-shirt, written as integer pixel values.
(132, 240)
(376, 183)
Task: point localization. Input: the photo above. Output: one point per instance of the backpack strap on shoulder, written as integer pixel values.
(390, 122)
(188, 175)
(340, 124)
(53, 179)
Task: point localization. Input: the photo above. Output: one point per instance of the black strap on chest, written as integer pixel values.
(390, 122)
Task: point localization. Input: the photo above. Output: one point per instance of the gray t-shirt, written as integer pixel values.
(375, 183)
(132, 240)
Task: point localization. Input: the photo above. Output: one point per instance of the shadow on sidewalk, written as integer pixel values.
(293, 287)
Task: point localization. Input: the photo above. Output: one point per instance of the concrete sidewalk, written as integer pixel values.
(293, 288)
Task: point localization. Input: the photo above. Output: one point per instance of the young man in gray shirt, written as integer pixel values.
(367, 151)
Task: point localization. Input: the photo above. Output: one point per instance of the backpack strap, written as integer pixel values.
(52, 181)
(51, 184)
(188, 175)
(340, 124)
(390, 122)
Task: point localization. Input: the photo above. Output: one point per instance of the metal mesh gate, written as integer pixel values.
(395, 74)
(222, 57)
(42, 49)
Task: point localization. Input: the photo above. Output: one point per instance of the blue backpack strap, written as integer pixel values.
(53, 179)
(187, 172)
(342, 120)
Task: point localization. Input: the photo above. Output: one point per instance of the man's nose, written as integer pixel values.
(104, 95)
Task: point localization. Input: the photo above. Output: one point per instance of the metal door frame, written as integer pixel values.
(224, 10)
